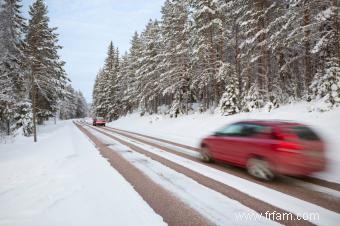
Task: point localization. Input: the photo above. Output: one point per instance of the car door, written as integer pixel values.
(223, 146)
(236, 147)
(255, 140)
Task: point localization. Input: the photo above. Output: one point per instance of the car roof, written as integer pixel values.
(272, 122)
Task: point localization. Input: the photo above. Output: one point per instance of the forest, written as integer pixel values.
(33, 82)
(226, 56)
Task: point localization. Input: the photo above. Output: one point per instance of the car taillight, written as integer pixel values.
(289, 147)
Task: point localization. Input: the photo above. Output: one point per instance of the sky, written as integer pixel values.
(86, 27)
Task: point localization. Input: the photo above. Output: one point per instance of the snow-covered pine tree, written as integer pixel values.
(207, 43)
(81, 105)
(147, 75)
(230, 100)
(123, 86)
(232, 15)
(48, 78)
(73, 105)
(106, 102)
(276, 48)
(96, 95)
(325, 87)
(175, 66)
(252, 100)
(111, 68)
(134, 63)
(68, 104)
(13, 72)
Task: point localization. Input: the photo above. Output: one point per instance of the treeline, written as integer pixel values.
(31, 71)
(233, 55)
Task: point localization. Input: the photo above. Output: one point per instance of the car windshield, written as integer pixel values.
(100, 118)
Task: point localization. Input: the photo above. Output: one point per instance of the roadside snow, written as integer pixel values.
(275, 198)
(190, 129)
(216, 207)
(63, 180)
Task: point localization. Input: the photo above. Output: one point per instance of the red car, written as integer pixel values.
(99, 121)
(267, 148)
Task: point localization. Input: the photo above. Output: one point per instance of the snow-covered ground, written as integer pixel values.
(209, 202)
(190, 129)
(206, 201)
(63, 180)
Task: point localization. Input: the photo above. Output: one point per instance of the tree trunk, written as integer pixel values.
(8, 127)
(306, 39)
(263, 62)
(34, 111)
(237, 60)
(336, 28)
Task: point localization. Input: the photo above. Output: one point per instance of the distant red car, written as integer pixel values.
(99, 121)
(267, 148)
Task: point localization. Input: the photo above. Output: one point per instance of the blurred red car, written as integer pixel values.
(267, 148)
(99, 121)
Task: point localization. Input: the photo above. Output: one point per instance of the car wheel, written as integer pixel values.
(205, 155)
(260, 168)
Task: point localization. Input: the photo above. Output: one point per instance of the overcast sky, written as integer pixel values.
(86, 27)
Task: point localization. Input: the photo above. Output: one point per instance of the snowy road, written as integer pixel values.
(63, 180)
(237, 191)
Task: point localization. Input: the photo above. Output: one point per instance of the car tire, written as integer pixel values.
(260, 169)
(205, 154)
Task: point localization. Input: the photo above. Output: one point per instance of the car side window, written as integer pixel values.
(230, 130)
(249, 130)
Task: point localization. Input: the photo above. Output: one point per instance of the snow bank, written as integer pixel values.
(63, 180)
(190, 129)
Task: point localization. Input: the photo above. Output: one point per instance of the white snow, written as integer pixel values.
(216, 207)
(63, 180)
(190, 129)
(276, 198)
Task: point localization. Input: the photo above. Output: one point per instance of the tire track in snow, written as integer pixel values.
(173, 211)
(258, 205)
(325, 197)
(317, 181)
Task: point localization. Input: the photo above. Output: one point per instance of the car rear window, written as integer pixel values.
(100, 118)
(304, 133)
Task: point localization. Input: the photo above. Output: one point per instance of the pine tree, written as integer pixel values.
(175, 66)
(106, 102)
(229, 102)
(100, 98)
(134, 63)
(147, 75)
(48, 78)
(326, 86)
(73, 105)
(241, 54)
(123, 86)
(207, 41)
(12, 67)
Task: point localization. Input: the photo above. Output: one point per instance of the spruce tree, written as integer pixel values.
(13, 71)
(175, 65)
(48, 78)
(229, 102)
